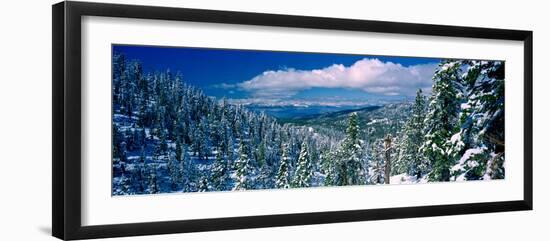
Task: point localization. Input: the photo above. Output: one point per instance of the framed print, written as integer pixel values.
(169, 120)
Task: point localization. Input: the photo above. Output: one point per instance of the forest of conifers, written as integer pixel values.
(168, 136)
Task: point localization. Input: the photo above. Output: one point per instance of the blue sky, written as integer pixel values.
(269, 77)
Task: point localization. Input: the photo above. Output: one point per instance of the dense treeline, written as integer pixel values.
(459, 133)
(168, 136)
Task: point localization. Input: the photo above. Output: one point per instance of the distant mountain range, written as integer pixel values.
(301, 111)
(339, 113)
(375, 121)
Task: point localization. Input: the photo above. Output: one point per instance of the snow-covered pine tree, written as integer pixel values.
(118, 139)
(399, 163)
(119, 68)
(204, 128)
(349, 156)
(226, 134)
(220, 172)
(265, 179)
(130, 140)
(126, 185)
(328, 168)
(479, 144)
(203, 185)
(230, 150)
(135, 179)
(153, 182)
(283, 177)
(243, 169)
(179, 151)
(376, 162)
(304, 171)
(441, 119)
(190, 173)
(174, 171)
(413, 137)
(163, 147)
(141, 175)
(261, 154)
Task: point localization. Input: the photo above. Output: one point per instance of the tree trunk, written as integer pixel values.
(387, 154)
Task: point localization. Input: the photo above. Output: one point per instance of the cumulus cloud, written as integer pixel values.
(368, 75)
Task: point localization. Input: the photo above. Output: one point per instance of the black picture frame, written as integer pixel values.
(66, 127)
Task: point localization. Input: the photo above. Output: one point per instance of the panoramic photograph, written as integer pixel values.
(210, 120)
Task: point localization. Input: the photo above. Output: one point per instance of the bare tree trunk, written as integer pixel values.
(387, 153)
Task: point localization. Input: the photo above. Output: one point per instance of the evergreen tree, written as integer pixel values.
(141, 173)
(376, 163)
(126, 185)
(399, 163)
(190, 175)
(415, 164)
(441, 119)
(197, 141)
(261, 154)
(304, 171)
(204, 134)
(243, 169)
(118, 139)
(203, 186)
(349, 156)
(179, 150)
(283, 178)
(265, 178)
(119, 68)
(153, 183)
(174, 171)
(329, 168)
(478, 146)
(136, 178)
(163, 147)
(220, 173)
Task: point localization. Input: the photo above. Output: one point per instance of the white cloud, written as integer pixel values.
(369, 75)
